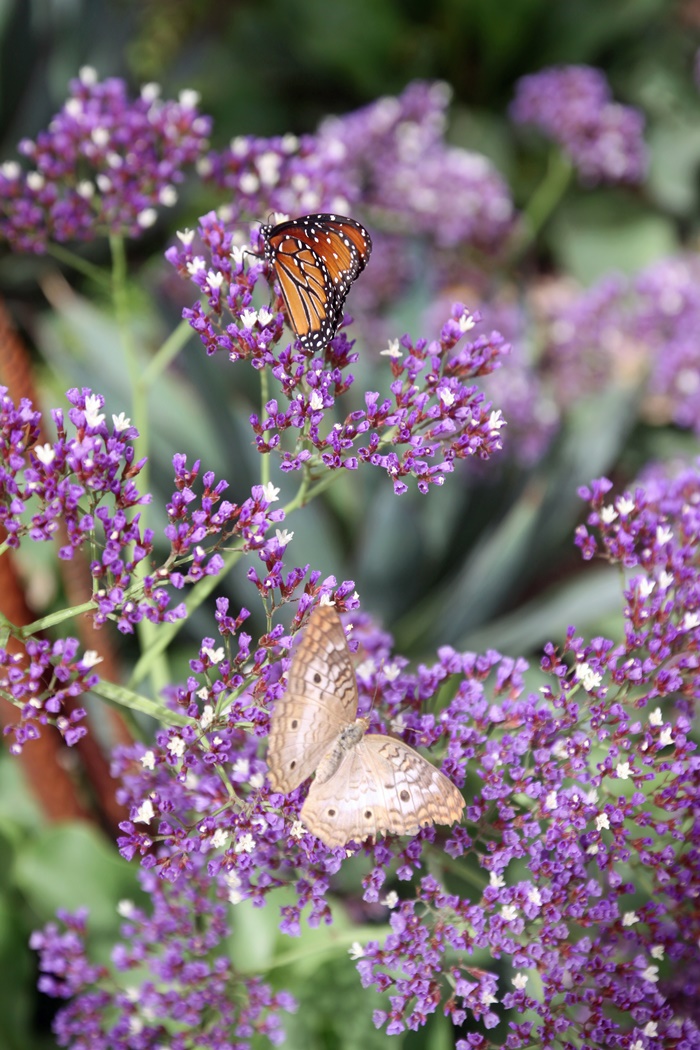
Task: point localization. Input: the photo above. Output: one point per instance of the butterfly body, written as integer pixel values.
(366, 783)
(315, 259)
(348, 738)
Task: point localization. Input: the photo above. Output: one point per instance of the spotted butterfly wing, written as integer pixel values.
(315, 259)
(364, 784)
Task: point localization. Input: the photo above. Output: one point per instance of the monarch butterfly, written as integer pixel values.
(315, 259)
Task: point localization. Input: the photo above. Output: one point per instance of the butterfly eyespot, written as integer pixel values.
(295, 723)
(404, 795)
(368, 814)
(317, 678)
(293, 764)
(332, 812)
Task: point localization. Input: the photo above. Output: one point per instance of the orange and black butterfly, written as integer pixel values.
(315, 259)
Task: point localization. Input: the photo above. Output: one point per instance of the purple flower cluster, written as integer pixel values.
(572, 105)
(522, 389)
(592, 873)
(250, 837)
(183, 988)
(82, 486)
(666, 320)
(621, 331)
(390, 157)
(43, 680)
(56, 488)
(75, 487)
(588, 869)
(432, 415)
(653, 533)
(105, 165)
(219, 270)
(192, 520)
(631, 333)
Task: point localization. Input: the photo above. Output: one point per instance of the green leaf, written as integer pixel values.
(74, 866)
(122, 696)
(602, 234)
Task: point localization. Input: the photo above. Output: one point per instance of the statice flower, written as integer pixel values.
(105, 165)
(588, 340)
(652, 534)
(75, 487)
(58, 488)
(390, 157)
(573, 106)
(43, 680)
(586, 875)
(82, 487)
(170, 981)
(590, 880)
(431, 419)
(283, 173)
(522, 389)
(397, 148)
(666, 323)
(630, 332)
(252, 837)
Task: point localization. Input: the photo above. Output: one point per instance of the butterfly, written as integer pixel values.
(365, 783)
(315, 259)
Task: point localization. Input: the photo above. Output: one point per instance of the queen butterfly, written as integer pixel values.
(315, 259)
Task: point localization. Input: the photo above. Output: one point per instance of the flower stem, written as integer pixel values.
(543, 202)
(158, 666)
(166, 353)
(76, 262)
(264, 397)
(167, 632)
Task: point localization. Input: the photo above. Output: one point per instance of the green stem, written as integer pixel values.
(167, 632)
(167, 353)
(76, 262)
(264, 397)
(307, 491)
(139, 407)
(158, 668)
(336, 943)
(53, 619)
(121, 696)
(543, 201)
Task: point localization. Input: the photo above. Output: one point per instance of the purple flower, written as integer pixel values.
(43, 680)
(432, 418)
(563, 908)
(183, 985)
(573, 792)
(396, 147)
(634, 334)
(105, 165)
(572, 105)
(82, 486)
(390, 156)
(666, 317)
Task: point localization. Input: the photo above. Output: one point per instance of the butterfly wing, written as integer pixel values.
(316, 258)
(320, 700)
(381, 786)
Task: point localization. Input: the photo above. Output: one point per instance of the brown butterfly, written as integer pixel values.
(365, 783)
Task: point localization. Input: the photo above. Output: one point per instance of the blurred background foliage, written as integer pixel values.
(487, 561)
